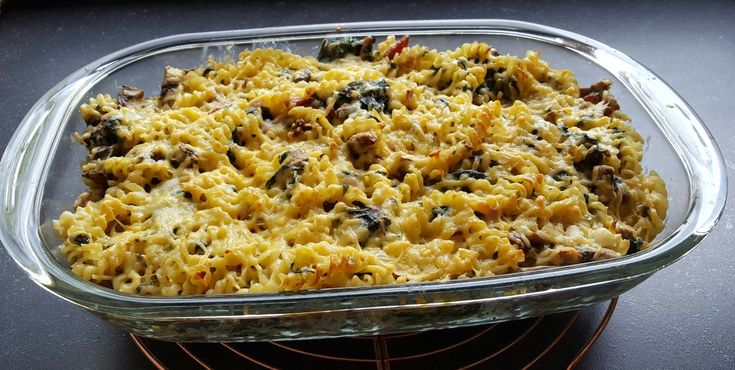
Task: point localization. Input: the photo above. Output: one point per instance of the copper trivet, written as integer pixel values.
(552, 341)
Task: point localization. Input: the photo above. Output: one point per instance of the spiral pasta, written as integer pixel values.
(371, 164)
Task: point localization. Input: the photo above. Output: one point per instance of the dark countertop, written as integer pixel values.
(682, 317)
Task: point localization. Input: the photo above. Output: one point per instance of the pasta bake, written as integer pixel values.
(371, 163)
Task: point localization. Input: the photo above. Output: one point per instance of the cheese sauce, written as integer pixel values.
(371, 164)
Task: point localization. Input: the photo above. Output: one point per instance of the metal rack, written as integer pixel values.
(561, 339)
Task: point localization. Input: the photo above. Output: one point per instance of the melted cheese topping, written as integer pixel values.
(282, 172)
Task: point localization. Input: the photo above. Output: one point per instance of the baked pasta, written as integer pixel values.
(372, 163)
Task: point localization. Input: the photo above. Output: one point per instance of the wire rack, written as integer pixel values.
(554, 341)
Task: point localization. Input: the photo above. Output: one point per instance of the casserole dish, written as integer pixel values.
(39, 178)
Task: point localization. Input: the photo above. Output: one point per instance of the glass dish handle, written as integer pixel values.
(19, 185)
(693, 141)
(683, 128)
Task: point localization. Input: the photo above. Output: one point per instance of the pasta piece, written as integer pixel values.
(377, 163)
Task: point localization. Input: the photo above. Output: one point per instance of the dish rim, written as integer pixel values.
(685, 131)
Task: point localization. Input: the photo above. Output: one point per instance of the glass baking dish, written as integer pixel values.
(40, 177)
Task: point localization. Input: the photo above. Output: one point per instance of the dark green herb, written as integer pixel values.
(493, 85)
(589, 140)
(439, 211)
(200, 248)
(103, 134)
(265, 112)
(331, 50)
(477, 175)
(593, 158)
(82, 239)
(564, 130)
(282, 157)
(372, 217)
(370, 94)
(292, 164)
(635, 245)
(92, 120)
(560, 175)
(232, 157)
(617, 183)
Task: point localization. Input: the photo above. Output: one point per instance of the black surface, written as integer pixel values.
(683, 317)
